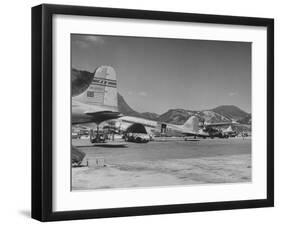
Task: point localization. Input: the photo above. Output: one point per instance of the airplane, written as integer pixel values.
(212, 128)
(229, 132)
(189, 128)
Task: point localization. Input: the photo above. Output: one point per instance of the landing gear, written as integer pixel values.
(97, 137)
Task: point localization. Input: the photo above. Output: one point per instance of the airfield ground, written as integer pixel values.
(163, 164)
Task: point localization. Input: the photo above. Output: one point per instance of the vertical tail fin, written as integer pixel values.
(192, 124)
(102, 90)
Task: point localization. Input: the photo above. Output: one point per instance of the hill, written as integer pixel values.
(247, 120)
(125, 109)
(149, 115)
(212, 116)
(231, 112)
(176, 116)
(222, 113)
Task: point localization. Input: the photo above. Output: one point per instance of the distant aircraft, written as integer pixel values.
(229, 132)
(212, 129)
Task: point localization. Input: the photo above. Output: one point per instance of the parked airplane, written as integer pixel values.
(189, 128)
(213, 128)
(229, 132)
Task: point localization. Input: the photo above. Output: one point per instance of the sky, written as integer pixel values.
(158, 74)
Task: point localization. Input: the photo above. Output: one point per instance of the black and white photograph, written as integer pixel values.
(147, 112)
(155, 112)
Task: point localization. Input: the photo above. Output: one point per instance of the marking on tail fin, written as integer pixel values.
(104, 82)
(102, 90)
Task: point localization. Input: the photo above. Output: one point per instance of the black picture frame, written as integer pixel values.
(42, 107)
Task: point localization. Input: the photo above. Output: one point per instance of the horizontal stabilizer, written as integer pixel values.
(101, 116)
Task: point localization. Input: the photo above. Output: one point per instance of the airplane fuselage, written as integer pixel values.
(188, 129)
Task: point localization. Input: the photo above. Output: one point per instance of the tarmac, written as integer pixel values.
(163, 163)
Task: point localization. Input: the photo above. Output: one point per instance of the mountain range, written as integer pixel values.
(80, 81)
(221, 113)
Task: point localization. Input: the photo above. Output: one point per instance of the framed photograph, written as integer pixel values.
(146, 112)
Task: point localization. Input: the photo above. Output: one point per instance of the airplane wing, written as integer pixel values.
(97, 117)
(145, 122)
(190, 133)
(220, 124)
(104, 115)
